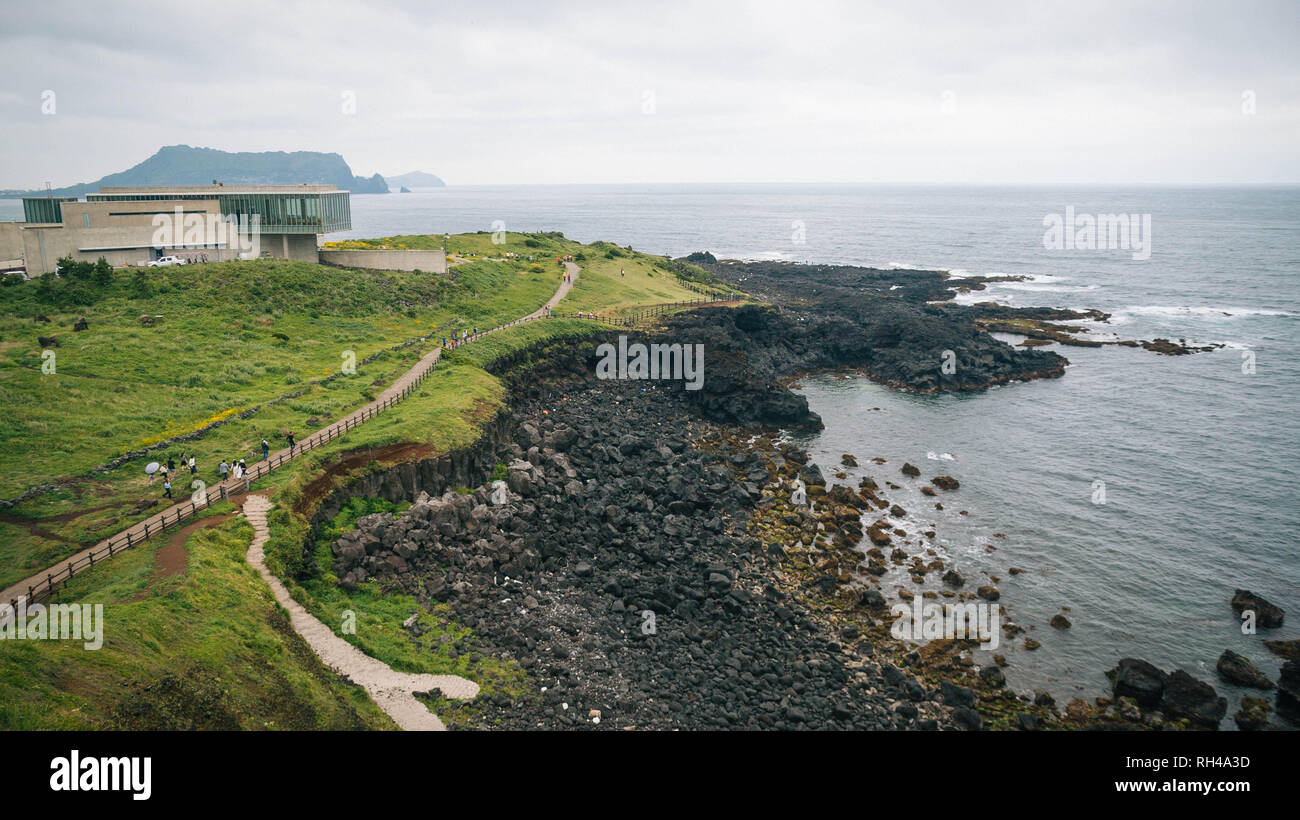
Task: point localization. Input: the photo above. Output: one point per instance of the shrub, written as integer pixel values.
(103, 273)
(140, 283)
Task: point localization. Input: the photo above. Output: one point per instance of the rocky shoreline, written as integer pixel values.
(619, 566)
(898, 323)
(654, 557)
(615, 566)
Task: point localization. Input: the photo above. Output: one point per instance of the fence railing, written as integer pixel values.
(646, 315)
(206, 497)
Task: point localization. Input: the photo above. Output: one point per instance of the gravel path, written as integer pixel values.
(393, 691)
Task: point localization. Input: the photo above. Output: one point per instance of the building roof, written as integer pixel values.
(222, 189)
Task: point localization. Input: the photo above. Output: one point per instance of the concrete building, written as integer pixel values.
(132, 226)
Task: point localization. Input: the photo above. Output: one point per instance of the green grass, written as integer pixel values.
(482, 245)
(120, 386)
(206, 649)
(644, 280)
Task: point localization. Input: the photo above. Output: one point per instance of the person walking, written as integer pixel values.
(292, 444)
(222, 469)
(194, 467)
(171, 464)
(167, 487)
(266, 450)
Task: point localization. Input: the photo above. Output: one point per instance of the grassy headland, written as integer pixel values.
(234, 342)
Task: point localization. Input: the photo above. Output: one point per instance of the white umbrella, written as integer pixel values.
(151, 468)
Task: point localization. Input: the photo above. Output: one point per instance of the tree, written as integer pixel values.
(45, 288)
(72, 269)
(103, 273)
(140, 283)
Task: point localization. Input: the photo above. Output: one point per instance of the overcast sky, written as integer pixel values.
(569, 92)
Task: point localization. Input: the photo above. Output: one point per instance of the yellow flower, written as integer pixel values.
(172, 432)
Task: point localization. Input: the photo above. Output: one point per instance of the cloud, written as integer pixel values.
(596, 92)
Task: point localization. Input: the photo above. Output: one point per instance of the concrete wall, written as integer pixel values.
(11, 240)
(134, 214)
(299, 246)
(428, 261)
(42, 245)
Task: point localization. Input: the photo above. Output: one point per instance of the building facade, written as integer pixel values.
(133, 226)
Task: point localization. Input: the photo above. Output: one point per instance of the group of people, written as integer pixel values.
(234, 468)
(457, 339)
(237, 469)
(168, 469)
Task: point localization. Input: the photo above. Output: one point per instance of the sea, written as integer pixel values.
(1133, 495)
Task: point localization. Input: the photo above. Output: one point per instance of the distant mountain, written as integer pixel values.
(184, 165)
(416, 179)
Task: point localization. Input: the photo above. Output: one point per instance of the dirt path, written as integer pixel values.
(154, 524)
(172, 558)
(392, 691)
